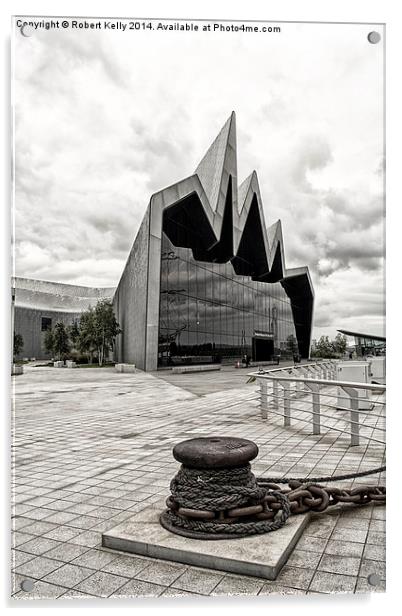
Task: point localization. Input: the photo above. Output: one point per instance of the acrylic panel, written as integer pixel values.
(198, 255)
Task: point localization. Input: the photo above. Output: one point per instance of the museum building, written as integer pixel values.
(205, 280)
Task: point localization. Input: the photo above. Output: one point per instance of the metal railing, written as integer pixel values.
(355, 404)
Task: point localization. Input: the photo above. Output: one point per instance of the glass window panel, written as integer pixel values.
(206, 309)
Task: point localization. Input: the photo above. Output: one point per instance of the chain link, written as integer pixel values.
(301, 499)
(235, 503)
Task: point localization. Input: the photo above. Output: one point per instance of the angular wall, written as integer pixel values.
(130, 301)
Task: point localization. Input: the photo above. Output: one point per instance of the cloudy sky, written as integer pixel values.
(105, 118)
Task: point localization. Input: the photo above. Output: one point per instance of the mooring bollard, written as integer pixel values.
(216, 496)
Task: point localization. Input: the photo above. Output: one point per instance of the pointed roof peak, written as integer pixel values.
(276, 227)
(245, 186)
(247, 179)
(222, 136)
(210, 169)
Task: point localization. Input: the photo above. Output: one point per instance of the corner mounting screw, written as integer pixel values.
(373, 579)
(27, 585)
(374, 37)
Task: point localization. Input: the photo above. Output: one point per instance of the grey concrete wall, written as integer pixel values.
(130, 301)
(28, 321)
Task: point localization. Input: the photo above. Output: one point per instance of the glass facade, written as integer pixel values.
(369, 346)
(208, 313)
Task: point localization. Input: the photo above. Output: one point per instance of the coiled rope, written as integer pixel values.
(227, 489)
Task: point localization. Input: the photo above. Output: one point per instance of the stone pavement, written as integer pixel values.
(91, 447)
(228, 377)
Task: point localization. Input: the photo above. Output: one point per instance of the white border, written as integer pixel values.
(367, 11)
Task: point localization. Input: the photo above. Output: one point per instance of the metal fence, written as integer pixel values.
(324, 402)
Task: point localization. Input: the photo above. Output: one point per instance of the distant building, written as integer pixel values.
(366, 344)
(38, 305)
(205, 279)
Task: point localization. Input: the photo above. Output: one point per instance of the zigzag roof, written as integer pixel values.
(220, 222)
(215, 200)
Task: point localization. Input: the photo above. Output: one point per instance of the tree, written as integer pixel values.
(49, 341)
(324, 348)
(98, 330)
(340, 344)
(61, 342)
(106, 328)
(86, 337)
(18, 344)
(329, 349)
(73, 334)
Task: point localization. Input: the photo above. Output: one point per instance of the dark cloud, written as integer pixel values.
(359, 214)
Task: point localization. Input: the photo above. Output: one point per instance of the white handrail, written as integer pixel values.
(314, 385)
(299, 366)
(368, 386)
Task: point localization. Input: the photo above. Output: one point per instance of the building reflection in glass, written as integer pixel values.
(209, 314)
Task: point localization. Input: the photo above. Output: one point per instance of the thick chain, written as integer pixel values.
(231, 525)
(235, 502)
(305, 495)
(313, 497)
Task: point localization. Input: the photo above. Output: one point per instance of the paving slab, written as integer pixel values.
(260, 555)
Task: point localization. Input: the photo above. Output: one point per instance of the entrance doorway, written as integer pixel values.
(263, 349)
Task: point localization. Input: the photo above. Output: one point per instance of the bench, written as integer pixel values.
(200, 368)
(124, 367)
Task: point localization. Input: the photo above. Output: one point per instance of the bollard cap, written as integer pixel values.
(215, 452)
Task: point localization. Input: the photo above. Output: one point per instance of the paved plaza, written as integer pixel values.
(91, 447)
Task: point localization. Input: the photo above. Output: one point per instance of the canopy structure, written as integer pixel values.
(366, 344)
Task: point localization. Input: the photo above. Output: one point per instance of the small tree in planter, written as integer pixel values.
(86, 336)
(106, 329)
(98, 331)
(61, 342)
(18, 344)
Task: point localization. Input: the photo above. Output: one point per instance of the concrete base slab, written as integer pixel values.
(260, 555)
